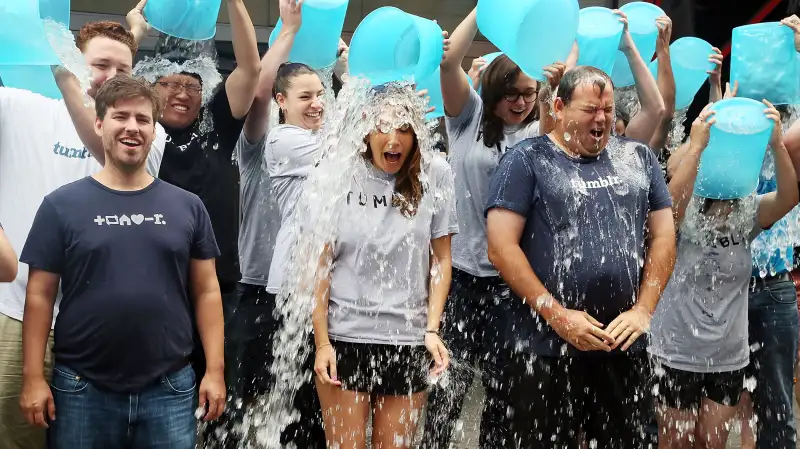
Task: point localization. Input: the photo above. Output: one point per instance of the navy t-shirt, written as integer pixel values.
(123, 257)
(585, 229)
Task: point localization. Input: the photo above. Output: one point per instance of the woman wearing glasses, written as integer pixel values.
(480, 127)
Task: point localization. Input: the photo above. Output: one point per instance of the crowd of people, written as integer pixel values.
(556, 248)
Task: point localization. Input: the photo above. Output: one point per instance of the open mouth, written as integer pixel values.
(391, 157)
(180, 108)
(314, 115)
(518, 112)
(131, 142)
(596, 133)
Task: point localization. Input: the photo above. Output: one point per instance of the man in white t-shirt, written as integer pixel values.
(40, 151)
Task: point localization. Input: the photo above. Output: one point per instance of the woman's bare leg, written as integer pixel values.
(345, 415)
(747, 417)
(395, 419)
(676, 428)
(713, 424)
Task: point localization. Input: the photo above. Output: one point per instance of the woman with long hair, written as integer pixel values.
(480, 128)
(384, 275)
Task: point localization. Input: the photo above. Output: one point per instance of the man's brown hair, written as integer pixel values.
(109, 29)
(124, 87)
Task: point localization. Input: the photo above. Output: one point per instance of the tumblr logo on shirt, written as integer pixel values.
(125, 220)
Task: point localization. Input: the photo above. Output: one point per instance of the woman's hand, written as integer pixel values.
(325, 365)
(701, 128)
(436, 348)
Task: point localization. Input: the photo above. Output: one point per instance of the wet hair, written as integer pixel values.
(580, 75)
(283, 81)
(112, 30)
(498, 78)
(408, 189)
(123, 87)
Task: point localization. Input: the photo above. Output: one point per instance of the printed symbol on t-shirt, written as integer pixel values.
(137, 219)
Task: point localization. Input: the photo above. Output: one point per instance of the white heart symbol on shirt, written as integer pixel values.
(138, 219)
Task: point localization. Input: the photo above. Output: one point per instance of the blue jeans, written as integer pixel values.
(158, 417)
(773, 342)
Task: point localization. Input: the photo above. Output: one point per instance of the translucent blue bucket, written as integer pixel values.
(598, 38)
(22, 40)
(763, 60)
(187, 19)
(690, 67)
(317, 41)
(644, 31)
(35, 78)
(57, 10)
(433, 84)
(391, 45)
(730, 165)
(533, 33)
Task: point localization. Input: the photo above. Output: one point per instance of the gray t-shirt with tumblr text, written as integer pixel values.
(260, 217)
(473, 165)
(381, 272)
(700, 324)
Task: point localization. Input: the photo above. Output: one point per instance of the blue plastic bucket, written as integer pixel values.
(433, 84)
(57, 10)
(187, 19)
(730, 165)
(644, 31)
(533, 33)
(391, 45)
(599, 33)
(35, 78)
(22, 40)
(690, 67)
(763, 60)
(317, 41)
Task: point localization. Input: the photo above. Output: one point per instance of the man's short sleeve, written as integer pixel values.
(204, 244)
(45, 247)
(513, 183)
(658, 196)
(156, 155)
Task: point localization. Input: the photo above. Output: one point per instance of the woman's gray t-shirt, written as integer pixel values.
(473, 165)
(291, 154)
(381, 272)
(700, 324)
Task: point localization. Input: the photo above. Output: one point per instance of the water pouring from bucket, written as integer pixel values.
(392, 45)
(599, 33)
(731, 163)
(317, 41)
(533, 33)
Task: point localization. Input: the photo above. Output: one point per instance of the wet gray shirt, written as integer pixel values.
(291, 154)
(260, 217)
(700, 324)
(473, 165)
(381, 271)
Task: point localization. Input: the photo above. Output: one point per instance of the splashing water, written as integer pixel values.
(62, 41)
(352, 117)
(151, 69)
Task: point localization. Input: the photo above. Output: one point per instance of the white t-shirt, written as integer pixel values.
(40, 151)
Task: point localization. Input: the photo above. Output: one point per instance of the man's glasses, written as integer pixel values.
(528, 97)
(193, 90)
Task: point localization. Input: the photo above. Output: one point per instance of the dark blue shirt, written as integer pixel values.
(585, 228)
(123, 257)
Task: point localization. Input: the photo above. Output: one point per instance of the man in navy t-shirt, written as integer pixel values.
(128, 251)
(580, 226)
